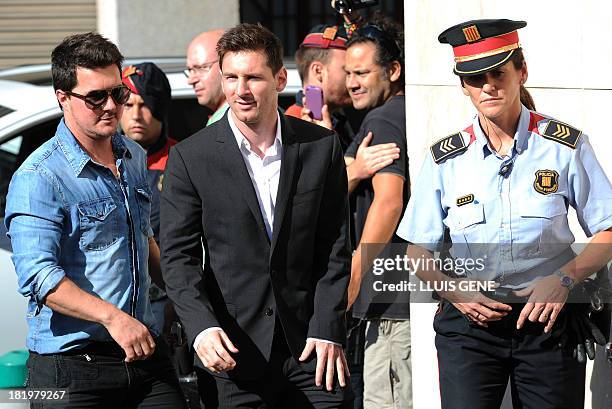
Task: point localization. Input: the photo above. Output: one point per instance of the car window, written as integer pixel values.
(9, 151)
(5, 110)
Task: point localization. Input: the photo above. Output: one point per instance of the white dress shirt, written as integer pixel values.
(265, 176)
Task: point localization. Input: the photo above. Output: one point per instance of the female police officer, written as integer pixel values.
(501, 188)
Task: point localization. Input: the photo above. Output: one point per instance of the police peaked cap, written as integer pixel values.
(480, 46)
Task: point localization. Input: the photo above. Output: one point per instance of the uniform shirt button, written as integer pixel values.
(269, 312)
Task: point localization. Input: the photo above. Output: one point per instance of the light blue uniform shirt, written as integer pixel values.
(517, 221)
(68, 216)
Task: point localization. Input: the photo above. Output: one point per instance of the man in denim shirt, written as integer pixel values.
(78, 218)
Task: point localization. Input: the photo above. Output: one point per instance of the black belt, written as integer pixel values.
(505, 295)
(98, 348)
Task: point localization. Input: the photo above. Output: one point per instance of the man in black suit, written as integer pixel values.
(266, 196)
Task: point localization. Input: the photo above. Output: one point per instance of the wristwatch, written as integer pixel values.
(566, 281)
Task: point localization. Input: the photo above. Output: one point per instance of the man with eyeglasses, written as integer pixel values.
(78, 217)
(204, 75)
(375, 81)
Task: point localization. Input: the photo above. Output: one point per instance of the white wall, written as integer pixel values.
(568, 58)
(162, 28)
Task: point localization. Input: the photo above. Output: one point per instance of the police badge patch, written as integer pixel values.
(546, 181)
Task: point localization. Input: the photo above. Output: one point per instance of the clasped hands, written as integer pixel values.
(546, 298)
(215, 351)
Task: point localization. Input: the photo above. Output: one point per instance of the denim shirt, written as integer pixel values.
(68, 216)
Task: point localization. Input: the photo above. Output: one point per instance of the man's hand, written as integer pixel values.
(330, 358)
(131, 335)
(326, 122)
(371, 159)
(214, 351)
(478, 308)
(546, 299)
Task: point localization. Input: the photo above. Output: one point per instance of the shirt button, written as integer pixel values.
(269, 312)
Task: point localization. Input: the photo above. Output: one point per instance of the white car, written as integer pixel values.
(29, 115)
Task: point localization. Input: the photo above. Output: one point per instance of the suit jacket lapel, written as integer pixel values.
(287, 172)
(232, 159)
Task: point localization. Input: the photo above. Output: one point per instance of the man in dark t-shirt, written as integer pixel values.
(375, 80)
(320, 61)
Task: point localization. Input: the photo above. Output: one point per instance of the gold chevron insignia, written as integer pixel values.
(562, 133)
(447, 147)
(471, 34)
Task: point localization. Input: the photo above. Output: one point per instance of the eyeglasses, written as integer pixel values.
(199, 69)
(97, 99)
(376, 34)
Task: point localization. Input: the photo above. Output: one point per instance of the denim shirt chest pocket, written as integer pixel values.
(98, 223)
(143, 197)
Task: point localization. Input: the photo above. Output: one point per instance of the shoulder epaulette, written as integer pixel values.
(448, 146)
(562, 133)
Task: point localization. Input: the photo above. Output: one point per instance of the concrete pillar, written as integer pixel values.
(162, 28)
(567, 58)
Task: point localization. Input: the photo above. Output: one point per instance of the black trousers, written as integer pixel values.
(476, 363)
(97, 377)
(355, 345)
(284, 384)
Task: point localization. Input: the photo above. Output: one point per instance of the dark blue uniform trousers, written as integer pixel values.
(475, 363)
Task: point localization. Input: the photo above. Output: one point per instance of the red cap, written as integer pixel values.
(329, 38)
(127, 80)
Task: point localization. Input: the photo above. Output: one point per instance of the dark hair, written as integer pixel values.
(518, 59)
(252, 37)
(388, 36)
(305, 56)
(87, 50)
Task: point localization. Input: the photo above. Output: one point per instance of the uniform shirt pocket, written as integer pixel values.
(543, 224)
(467, 229)
(143, 197)
(98, 224)
(465, 219)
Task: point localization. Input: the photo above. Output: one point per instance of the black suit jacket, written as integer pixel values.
(246, 282)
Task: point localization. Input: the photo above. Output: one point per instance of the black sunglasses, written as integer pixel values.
(376, 34)
(97, 99)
